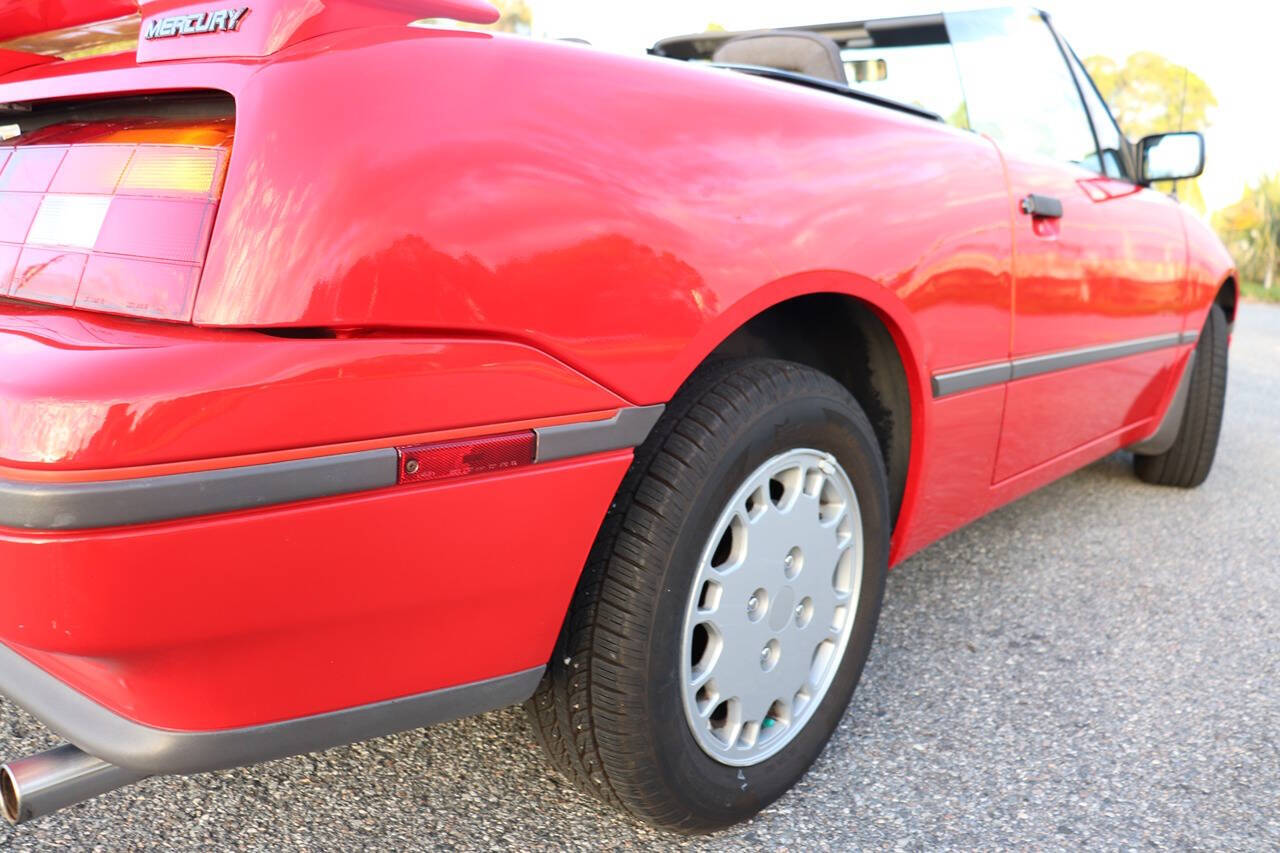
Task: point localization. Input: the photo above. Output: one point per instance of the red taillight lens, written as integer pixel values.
(445, 460)
(119, 222)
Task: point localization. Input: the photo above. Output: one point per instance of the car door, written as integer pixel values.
(1099, 262)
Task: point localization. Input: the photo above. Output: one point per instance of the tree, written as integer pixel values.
(1149, 94)
(517, 17)
(1251, 228)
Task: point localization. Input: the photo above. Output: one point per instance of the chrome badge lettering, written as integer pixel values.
(221, 21)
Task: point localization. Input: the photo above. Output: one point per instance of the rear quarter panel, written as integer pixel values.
(624, 214)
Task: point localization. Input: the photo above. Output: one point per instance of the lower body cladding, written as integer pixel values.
(168, 644)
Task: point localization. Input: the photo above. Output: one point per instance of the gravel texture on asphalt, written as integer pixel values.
(1097, 665)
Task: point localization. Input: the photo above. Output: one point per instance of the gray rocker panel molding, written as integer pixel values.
(105, 734)
(953, 382)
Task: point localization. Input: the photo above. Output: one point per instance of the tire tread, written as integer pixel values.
(581, 710)
(1188, 462)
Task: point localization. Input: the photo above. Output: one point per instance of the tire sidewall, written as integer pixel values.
(822, 422)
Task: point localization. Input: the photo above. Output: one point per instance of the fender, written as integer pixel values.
(627, 249)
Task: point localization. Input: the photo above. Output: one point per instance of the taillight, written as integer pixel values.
(118, 224)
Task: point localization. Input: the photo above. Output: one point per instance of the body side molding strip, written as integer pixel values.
(113, 503)
(1039, 365)
(83, 506)
(953, 382)
(967, 380)
(628, 428)
(105, 734)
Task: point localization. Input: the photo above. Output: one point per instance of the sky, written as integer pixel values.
(1228, 43)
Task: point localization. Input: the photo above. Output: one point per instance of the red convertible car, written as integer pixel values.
(356, 376)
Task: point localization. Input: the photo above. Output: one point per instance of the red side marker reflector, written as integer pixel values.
(444, 460)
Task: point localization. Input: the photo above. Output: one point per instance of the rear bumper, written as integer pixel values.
(206, 559)
(217, 641)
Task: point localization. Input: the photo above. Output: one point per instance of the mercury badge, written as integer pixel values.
(221, 21)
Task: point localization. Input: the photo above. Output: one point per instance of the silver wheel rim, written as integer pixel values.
(772, 607)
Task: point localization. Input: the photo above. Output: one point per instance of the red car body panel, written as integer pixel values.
(260, 616)
(100, 393)
(499, 233)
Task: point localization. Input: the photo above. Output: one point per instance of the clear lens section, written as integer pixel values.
(48, 275)
(138, 288)
(69, 220)
(17, 211)
(168, 229)
(8, 260)
(31, 169)
(92, 169)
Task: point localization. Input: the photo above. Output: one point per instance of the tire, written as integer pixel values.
(611, 710)
(1187, 463)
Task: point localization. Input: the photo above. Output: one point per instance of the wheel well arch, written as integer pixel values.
(1228, 297)
(844, 337)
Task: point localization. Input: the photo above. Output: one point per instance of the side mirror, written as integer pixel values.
(1170, 157)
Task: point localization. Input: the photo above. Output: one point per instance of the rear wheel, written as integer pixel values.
(729, 602)
(1187, 463)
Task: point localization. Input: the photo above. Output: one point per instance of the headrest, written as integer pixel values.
(811, 54)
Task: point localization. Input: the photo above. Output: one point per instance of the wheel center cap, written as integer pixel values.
(780, 610)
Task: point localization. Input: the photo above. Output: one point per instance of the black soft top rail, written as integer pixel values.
(829, 86)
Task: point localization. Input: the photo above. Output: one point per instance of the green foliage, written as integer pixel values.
(517, 17)
(1251, 230)
(1255, 292)
(1149, 94)
(960, 117)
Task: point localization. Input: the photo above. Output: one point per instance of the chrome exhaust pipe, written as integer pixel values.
(39, 784)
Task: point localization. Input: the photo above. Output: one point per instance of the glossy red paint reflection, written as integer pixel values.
(98, 392)
(469, 232)
(160, 626)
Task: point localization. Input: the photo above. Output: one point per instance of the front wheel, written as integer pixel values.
(729, 602)
(1188, 461)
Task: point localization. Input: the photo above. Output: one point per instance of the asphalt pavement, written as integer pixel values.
(1096, 666)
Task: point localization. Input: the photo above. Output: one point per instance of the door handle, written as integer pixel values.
(1044, 206)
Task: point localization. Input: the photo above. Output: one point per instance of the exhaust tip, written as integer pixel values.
(10, 802)
(41, 784)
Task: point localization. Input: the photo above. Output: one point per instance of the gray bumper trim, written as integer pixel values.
(953, 382)
(104, 734)
(82, 506)
(143, 500)
(628, 428)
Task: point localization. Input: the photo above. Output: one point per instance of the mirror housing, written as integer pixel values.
(1170, 157)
